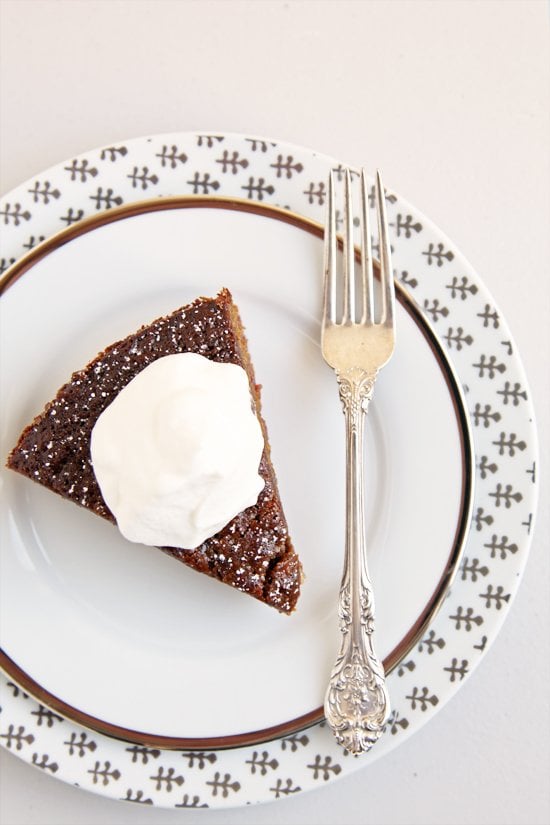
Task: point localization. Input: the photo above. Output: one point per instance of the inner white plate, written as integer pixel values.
(131, 637)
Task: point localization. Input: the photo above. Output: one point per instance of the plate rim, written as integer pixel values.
(441, 589)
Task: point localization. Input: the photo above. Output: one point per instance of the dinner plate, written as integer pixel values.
(126, 642)
(120, 615)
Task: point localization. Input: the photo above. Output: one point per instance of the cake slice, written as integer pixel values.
(253, 552)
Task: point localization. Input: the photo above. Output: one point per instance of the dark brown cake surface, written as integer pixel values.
(253, 552)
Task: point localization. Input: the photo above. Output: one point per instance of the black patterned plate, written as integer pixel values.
(139, 265)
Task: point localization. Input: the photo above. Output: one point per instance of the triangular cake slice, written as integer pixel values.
(253, 553)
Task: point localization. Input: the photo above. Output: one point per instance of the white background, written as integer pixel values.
(450, 100)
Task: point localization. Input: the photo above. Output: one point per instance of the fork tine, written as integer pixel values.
(386, 272)
(349, 256)
(366, 256)
(329, 298)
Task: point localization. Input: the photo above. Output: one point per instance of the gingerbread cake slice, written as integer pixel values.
(253, 552)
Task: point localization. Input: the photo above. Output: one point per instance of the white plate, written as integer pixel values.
(115, 615)
(56, 550)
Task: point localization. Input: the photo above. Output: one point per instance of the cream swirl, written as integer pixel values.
(176, 454)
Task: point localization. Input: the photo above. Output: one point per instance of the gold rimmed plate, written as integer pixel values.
(124, 640)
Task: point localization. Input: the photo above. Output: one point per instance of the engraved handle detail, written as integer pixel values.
(356, 703)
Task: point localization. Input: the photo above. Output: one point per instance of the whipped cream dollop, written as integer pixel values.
(176, 454)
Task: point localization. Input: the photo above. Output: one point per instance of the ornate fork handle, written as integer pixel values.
(356, 702)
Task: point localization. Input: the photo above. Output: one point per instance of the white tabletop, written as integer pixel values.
(450, 100)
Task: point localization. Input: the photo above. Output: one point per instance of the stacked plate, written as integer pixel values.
(139, 679)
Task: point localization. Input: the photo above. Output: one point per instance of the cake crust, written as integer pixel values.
(252, 553)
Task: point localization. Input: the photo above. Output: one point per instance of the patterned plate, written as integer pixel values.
(481, 349)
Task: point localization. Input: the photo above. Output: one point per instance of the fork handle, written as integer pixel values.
(356, 703)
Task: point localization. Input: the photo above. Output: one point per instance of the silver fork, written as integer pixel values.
(356, 703)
